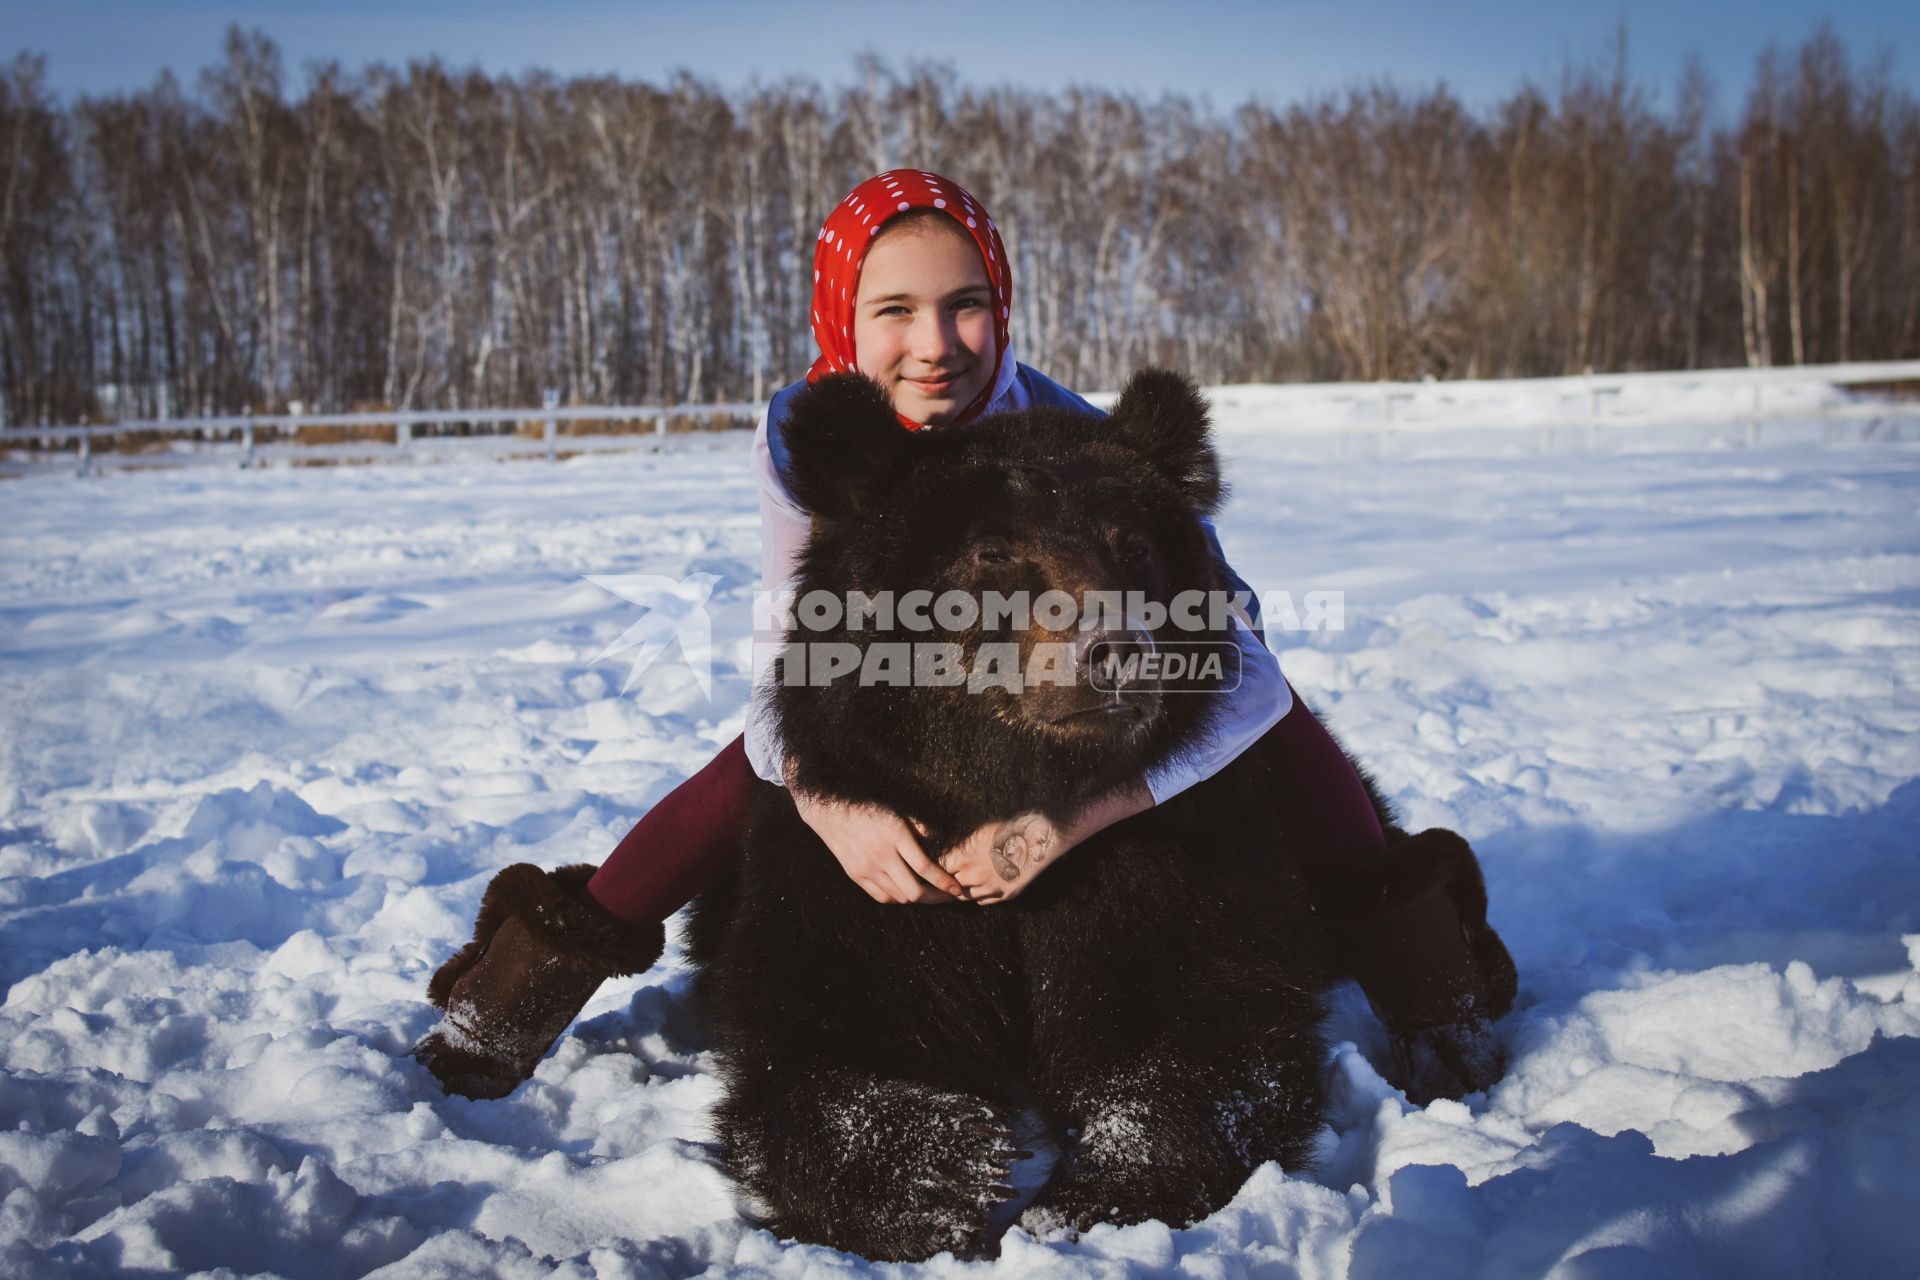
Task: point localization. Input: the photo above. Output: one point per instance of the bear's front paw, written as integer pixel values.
(1109, 1175)
(1045, 1222)
(1075, 1200)
(1448, 1061)
(921, 1171)
(964, 1175)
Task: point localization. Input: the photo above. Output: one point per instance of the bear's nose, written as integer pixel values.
(1115, 659)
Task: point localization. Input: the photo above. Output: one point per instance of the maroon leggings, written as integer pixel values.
(676, 849)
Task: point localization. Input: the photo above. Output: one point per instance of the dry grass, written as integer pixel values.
(1894, 389)
(367, 433)
(135, 442)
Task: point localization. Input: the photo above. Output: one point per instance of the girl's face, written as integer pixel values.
(923, 321)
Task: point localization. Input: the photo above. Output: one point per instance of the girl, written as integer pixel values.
(912, 288)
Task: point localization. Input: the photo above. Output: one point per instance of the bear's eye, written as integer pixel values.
(1025, 481)
(1134, 548)
(992, 552)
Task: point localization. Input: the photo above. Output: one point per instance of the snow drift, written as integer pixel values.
(269, 734)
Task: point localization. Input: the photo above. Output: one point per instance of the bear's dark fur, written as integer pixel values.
(1154, 994)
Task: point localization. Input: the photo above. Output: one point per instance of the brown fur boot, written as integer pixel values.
(540, 949)
(1410, 926)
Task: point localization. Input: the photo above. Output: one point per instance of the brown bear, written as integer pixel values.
(1154, 997)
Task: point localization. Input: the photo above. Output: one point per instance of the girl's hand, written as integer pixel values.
(1001, 859)
(878, 851)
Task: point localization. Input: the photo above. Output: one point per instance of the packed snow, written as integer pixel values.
(269, 733)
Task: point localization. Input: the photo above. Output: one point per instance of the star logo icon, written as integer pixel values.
(676, 611)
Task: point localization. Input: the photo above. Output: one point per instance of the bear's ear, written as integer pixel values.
(1161, 414)
(845, 445)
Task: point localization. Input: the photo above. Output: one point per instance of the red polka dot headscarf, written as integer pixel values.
(842, 247)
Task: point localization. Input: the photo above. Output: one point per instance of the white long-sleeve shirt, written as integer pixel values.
(1256, 705)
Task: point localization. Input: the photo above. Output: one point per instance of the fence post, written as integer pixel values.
(550, 399)
(86, 451)
(246, 444)
(660, 425)
(403, 436)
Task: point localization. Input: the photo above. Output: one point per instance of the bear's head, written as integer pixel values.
(1019, 613)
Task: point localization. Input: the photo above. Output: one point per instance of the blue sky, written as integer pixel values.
(1228, 50)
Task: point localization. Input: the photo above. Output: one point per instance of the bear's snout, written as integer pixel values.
(1115, 660)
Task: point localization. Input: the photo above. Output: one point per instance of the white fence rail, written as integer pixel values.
(243, 432)
(1581, 404)
(1824, 393)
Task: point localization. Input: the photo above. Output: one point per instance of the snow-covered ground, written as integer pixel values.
(267, 734)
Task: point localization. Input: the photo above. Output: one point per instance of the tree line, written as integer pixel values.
(425, 237)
